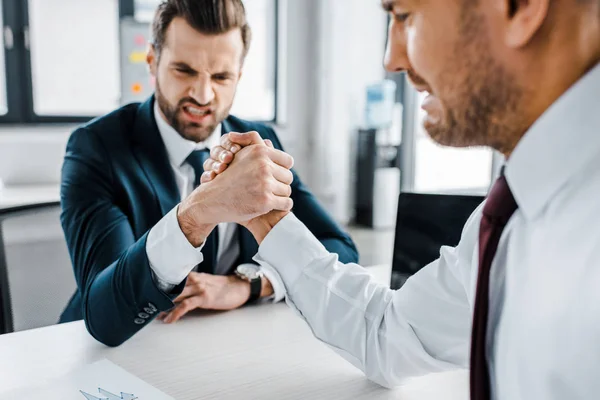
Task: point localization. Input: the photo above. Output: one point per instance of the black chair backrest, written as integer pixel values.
(424, 224)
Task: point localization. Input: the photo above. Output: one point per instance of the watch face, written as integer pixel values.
(249, 271)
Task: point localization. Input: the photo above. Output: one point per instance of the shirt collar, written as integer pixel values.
(179, 148)
(562, 142)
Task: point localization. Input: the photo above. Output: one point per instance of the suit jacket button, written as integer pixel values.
(139, 321)
(149, 310)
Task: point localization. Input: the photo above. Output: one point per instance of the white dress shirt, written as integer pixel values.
(171, 255)
(544, 322)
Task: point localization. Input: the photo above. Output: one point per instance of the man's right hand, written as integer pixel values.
(221, 157)
(256, 182)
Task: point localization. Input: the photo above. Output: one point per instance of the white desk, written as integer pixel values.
(19, 196)
(262, 352)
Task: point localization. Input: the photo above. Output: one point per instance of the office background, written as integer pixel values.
(308, 67)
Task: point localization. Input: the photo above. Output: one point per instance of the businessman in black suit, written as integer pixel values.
(144, 236)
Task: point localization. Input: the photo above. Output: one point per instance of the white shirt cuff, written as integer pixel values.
(171, 255)
(289, 240)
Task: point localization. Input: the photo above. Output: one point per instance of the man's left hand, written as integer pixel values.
(209, 292)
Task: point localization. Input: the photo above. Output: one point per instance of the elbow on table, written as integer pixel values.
(386, 379)
(108, 334)
(384, 369)
(107, 338)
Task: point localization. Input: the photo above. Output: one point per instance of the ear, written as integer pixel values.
(152, 60)
(524, 18)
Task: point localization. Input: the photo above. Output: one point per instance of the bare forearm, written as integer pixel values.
(195, 232)
(267, 288)
(260, 227)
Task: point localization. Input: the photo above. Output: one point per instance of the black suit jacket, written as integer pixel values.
(117, 183)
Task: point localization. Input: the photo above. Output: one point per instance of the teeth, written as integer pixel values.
(197, 111)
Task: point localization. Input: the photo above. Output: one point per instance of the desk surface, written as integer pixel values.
(261, 352)
(12, 197)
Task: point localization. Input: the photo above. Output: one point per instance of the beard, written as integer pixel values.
(482, 107)
(188, 130)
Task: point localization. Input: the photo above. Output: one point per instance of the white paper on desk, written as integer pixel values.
(102, 380)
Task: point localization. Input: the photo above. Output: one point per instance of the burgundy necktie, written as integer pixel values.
(499, 207)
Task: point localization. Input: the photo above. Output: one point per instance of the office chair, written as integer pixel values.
(425, 223)
(36, 278)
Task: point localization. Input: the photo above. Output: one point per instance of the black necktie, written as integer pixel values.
(498, 209)
(196, 160)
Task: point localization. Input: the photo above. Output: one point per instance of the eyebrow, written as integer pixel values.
(227, 74)
(183, 65)
(388, 5)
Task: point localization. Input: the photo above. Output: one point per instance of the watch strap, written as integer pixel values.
(255, 289)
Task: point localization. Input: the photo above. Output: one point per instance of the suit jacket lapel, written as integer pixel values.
(151, 153)
(226, 127)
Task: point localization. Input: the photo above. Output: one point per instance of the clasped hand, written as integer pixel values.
(248, 182)
(253, 181)
(231, 148)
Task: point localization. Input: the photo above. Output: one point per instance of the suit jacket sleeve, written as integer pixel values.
(119, 294)
(317, 220)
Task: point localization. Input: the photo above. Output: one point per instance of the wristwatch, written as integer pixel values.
(251, 273)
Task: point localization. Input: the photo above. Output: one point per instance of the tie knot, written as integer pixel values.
(500, 203)
(196, 160)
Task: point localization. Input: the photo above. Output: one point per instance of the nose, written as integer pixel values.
(202, 91)
(396, 55)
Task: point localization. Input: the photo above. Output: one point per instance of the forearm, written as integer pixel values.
(123, 297)
(171, 255)
(260, 227)
(190, 219)
(370, 325)
(266, 288)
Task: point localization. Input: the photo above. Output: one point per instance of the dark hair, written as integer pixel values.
(210, 17)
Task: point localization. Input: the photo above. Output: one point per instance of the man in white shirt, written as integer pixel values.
(518, 299)
(144, 238)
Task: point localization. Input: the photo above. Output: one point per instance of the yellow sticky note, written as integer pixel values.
(137, 57)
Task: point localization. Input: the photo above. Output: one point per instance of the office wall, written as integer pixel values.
(298, 74)
(330, 50)
(31, 155)
(350, 56)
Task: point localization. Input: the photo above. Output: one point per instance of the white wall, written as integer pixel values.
(351, 48)
(32, 154)
(332, 50)
(297, 65)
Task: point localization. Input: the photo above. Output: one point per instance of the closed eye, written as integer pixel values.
(402, 17)
(222, 77)
(184, 69)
